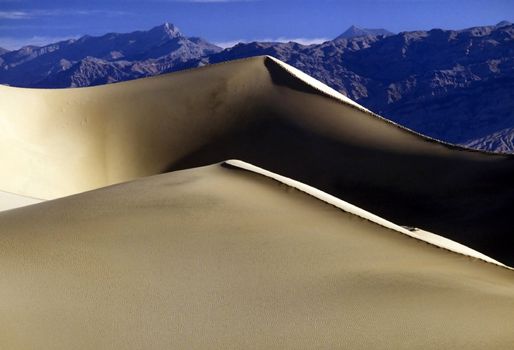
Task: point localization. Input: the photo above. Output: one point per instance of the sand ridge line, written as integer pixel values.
(424, 236)
(330, 92)
(310, 81)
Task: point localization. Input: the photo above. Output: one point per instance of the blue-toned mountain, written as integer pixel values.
(97, 60)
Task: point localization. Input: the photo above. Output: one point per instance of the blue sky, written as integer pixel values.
(226, 21)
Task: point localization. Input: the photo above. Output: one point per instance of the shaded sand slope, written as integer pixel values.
(55, 143)
(224, 258)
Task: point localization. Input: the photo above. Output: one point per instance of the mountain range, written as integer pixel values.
(453, 85)
(99, 60)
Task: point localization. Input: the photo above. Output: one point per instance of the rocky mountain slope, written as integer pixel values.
(501, 141)
(456, 86)
(98, 60)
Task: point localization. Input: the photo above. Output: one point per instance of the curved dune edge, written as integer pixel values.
(10, 201)
(328, 91)
(318, 85)
(422, 235)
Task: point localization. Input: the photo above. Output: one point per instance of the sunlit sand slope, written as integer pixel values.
(11, 201)
(223, 258)
(60, 142)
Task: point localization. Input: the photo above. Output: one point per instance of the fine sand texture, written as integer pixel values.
(60, 142)
(221, 257)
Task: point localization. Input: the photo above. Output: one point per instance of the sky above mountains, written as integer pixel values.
(228, 21)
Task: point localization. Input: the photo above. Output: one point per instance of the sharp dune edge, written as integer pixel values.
(231, 255)
(428, 237)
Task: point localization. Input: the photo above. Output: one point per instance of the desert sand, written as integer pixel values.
(225, 258)
(61, 142)
(122, 225)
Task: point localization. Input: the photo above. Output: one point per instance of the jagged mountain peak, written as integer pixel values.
(354, 31)
(168, 29)
(503, 24)
(134, 54)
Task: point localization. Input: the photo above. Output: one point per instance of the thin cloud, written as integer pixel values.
(14, 15)
(12, 43)
(23, 25)
(29, 14)
(227, 44)
(303, 41)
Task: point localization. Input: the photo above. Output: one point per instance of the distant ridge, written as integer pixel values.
(2, 50)
(354, 32)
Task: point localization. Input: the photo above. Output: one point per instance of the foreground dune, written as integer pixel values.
(60, 142)
(221, 258)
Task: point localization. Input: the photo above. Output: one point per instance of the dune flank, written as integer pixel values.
(222, 257)
(55, 143)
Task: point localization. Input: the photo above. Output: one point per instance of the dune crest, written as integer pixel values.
(317, 84)
(428, 237)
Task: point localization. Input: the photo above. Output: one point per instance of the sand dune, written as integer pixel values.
(221, 258)
(57, 143)
(307, 248)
